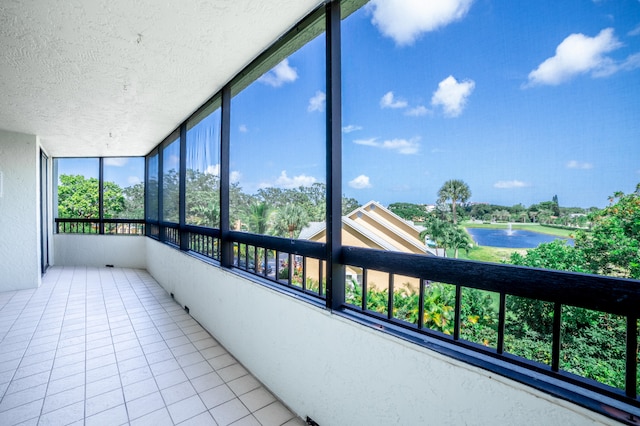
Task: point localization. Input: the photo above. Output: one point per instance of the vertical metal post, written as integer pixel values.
(161, 229)
(457, 320)
(556, 336)
(101, 195)
(631, 380)
(364, 289)
(502, 314)
(335, 278)
(182, 192)
(420, 324)
(226, 245)
(390, 298)
(304, 273)
(321, 278)
(145, 195)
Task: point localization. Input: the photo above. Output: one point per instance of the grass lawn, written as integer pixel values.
(533, 227)
(487, 254)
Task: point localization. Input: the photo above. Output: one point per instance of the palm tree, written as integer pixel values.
(455, 190)
(437, 230)
(258, 218)
(458, 238)
(290, 218)
(523, 216)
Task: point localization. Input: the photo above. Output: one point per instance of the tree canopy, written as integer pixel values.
(611, 248)
(409, 211)
(78, 198)
(455, 190)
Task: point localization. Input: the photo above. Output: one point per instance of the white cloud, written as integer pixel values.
(402, 146)
(635, 31)
(361, 182)
(406, 20)
(351, 128)
(452, 95)
(316, 103)
(133, 180)
(509, 184)
(116, 162)
(235, 176)
(285, 181)
(279, 75)
(213, 170)
(632, 62)
(574, 164)
(418, 111)
(389, 101)
(578, 54)
(367, 142)
(243, 128)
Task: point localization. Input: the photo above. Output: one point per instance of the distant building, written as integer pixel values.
(374, 226)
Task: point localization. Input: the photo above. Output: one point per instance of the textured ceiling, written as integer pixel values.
(113, 78)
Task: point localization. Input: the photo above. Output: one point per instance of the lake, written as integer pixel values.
(516, 238)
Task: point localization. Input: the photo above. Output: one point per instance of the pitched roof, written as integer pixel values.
(377, 224)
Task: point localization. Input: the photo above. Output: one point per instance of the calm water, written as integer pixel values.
(517, 239)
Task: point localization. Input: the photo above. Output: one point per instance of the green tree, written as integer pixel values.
(457, 191)
(409, 211)
(613, 245)
(259, 217)
(555, 255)
(133, 202)
(78, 198)
(458, 238)
(170, 196)
(290, 220)
(202, 198)
(438, 231)
(502, 215)
(349, 205)
(556, 206)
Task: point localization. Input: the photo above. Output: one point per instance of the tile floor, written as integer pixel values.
(108, 346)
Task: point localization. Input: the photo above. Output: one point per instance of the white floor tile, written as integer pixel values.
(229, 412)
(145, 405)
(186, 409)
(109, 346)
(274, 414)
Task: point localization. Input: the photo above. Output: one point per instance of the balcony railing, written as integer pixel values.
(300, 267)
(97, 226)
(609, 295)
(293, 264)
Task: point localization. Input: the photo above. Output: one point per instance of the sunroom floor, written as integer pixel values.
(108, 346)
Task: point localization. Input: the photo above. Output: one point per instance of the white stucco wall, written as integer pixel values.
(121, 251)
(19, 211)
(339, 372)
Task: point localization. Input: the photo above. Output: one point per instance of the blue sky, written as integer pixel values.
(521, 100)
(127, 171)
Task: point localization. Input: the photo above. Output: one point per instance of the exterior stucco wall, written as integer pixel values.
(339, 372)
(19, 212)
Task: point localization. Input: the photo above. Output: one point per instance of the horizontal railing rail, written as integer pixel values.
(617, 296)
(293, 246)
(295, 264)
(97, 226)
(614, 295)
(300, 267)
